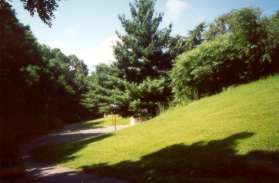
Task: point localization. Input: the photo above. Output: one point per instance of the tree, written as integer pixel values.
(63, 82)
(149, 97)
(177, 45)
(217, 28)
(248, 32)
(180, 44)
(195, 37)
(41, 88)
(20, 64)
(44, 8)
(107, 91)
(142, 52)
(272, 43)
(243, 48)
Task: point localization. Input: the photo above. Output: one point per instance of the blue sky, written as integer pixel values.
(87, 27)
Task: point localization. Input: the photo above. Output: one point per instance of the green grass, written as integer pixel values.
(229, 137)
(106, 121)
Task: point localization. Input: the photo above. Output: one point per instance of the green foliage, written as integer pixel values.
(41, 88)
(107, 91)
(177, 45)
(218, 27)
(204, 69)
(19, 63)
(195, 37)
(180, 44)
(64, 81)
(235, 52)
(272, 42)
(44, 8)
(140, 53)
(148, 96)
(143, 53)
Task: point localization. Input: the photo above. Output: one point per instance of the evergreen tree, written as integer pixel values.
(107, 91)
(44, 8)
(141, 52)
(143, 56)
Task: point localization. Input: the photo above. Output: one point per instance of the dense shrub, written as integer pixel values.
(206, 69)
(272, 42)
(246, 51)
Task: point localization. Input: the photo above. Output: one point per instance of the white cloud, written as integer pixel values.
(102, 53)
(57, 44)
(92, 56)
(70, 33)
(174, 8)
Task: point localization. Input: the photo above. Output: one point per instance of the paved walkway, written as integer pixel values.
(71, 133)
(39, 173)
(45, 173)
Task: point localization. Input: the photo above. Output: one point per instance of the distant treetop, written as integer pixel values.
(44, 8)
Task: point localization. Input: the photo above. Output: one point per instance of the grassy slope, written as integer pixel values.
(231, 135)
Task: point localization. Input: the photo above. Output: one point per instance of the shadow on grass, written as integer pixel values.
(48, 155)
(88, 125)
(79, 133)
(60, 153)
(215, 161)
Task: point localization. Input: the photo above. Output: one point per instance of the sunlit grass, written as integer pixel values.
(217, 129)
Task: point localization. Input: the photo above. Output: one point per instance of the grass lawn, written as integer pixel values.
(229, 137)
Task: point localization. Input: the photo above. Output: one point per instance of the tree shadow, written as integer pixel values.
(64, 142)
(71, 177)
(45, 158)
(50, 174)
(55, 153)
(214, 161)
(85, 125)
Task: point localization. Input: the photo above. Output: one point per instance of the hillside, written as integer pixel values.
(231, 137)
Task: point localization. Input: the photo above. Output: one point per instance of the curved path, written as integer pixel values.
(47, 173)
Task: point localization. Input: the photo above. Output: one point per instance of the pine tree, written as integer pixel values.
(144, 59)
(142, 51)
(107, 92)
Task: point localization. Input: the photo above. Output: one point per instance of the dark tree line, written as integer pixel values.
(40, 88)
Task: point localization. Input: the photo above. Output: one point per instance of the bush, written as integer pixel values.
(245, 52)
(206, 69)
